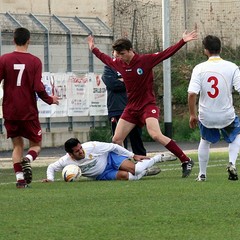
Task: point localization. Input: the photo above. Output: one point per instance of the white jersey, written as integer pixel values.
(95, 161)
(214, 80)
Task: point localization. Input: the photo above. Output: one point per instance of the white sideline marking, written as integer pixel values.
(173, 166)
(32, 182)
(209, 166)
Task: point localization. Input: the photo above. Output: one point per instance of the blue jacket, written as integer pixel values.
(116, 92)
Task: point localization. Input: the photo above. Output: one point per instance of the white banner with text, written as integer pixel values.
(79, 95)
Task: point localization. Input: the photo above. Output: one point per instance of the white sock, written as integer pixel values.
(19, 176)
(233, 149)
(141, 166)
(203, 156)
(132, 177)
(29, 157)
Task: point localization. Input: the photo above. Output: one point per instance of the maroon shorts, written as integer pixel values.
(139, 117)
(29, 129)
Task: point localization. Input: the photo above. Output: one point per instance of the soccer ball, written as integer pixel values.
(71, 173)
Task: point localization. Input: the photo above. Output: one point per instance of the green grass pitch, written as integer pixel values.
(160, 207)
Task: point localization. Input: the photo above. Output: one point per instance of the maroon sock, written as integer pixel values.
(17, 167)
(33, 154)
(173, 147)
(21, 181)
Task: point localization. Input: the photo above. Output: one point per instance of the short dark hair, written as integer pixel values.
(70, 144)
(21, 36)
(122, 44)
(212, 44)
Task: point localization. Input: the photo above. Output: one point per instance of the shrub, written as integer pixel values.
(102, 134)
(180, 95)
(182, 131)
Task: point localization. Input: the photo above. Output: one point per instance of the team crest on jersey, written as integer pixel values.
(139, 71)
(119, 75)
(154, 111)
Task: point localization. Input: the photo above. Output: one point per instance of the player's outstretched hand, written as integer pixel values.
(190, 36)
(55, 99)
(90, 42)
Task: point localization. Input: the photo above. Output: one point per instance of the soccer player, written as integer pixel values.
(116, 102)
(213, 80)
(141, 109)
(21, 73)
(104, 161)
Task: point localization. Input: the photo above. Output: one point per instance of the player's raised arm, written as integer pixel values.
(190, 36)
(91, 42)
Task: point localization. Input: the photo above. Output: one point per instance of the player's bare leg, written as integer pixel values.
(122, 130)
(33, 146)
(18, 148)
(136, 171)
(155, 132)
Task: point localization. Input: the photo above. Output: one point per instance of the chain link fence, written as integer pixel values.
(142, 21)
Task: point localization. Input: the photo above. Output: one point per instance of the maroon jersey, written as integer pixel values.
(138, 75)
(22, 74)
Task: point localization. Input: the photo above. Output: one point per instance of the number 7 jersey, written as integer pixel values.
(21, 73)
(214, 80)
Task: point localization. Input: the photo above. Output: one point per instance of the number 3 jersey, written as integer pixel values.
(214, 80)
(21, 73)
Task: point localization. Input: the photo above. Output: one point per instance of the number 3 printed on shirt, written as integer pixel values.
(214, 82)
(21, 68)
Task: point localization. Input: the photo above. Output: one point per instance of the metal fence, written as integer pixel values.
(60, 42)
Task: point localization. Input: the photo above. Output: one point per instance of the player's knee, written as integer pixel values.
(158, 137)
(117, 140)
(154, 136)
(122, 175)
